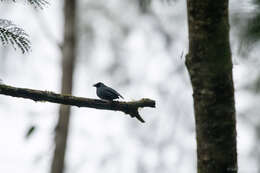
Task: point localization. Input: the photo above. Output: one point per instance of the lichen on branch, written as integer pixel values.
(130, 108)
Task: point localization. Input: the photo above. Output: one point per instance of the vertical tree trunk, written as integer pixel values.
(210, 68)
(68, 62)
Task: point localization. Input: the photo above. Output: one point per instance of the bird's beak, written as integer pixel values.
(95, 85)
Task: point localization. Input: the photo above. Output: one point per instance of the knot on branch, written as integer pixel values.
(132, 107)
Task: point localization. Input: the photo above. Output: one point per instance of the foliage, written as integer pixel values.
(11, 34)
(38, 3)
(35, 3)
(30, 131)
(17, 37)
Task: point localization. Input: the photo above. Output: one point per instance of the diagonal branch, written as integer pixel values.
(130, 108)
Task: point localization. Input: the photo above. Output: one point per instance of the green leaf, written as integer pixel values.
(30, 131)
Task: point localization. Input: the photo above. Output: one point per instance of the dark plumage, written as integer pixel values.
(106, 93)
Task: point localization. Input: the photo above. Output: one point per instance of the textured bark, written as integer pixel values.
(68, 63)
(210, 68)
(130, 108)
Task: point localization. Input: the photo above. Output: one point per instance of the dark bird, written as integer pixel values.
(106, 93)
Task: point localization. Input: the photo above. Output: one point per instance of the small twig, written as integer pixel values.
(130, 108)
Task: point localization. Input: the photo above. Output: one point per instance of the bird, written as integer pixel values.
(106, 93)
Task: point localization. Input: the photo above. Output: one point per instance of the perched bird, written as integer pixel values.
(106, 93)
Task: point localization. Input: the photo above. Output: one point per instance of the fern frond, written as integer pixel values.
(11, 34)
(36, 3)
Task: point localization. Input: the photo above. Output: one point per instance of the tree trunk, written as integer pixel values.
(209, 65)
(68, 62)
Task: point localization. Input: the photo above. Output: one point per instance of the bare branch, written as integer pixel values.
(130, 108)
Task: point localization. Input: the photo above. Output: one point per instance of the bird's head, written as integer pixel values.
(99, 84)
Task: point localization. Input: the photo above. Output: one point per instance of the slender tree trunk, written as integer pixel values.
(210, 68)
(68, 62)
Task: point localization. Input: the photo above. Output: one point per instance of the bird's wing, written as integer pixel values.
(113, 92)
(106, 92)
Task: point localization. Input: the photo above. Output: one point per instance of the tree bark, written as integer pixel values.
(68, 63)
(209, 64)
